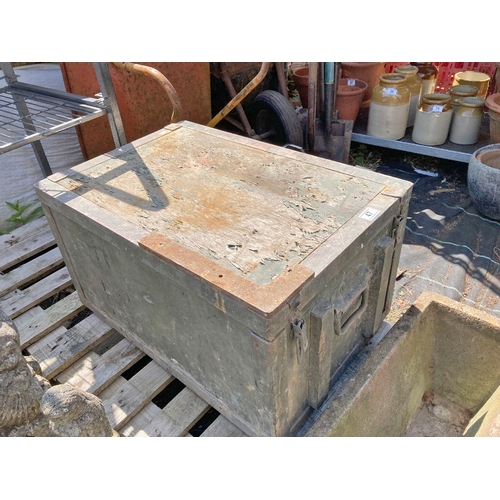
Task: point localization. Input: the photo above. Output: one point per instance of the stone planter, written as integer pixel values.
(440, 351)
(483, 179)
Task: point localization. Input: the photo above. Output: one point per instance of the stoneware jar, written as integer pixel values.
(433, 119)
(457, 92)
(466, 121)
(389, 107)
(475, 79)
(428, 72)
(414, 83)
(483, 179)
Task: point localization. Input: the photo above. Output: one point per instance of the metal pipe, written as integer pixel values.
(108, 92)
(336, 73)
(311, 104)
(320, 93)
(161, 79)
(329, 78)
(239, 126)
(232, 93)
(240, 96)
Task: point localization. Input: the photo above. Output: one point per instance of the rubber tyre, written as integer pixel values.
(270, 109)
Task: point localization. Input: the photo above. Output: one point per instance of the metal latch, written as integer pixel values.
(300, 334)
(396, 234)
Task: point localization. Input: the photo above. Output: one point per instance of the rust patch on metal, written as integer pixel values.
(265, 300)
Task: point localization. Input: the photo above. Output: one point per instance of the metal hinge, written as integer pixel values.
(396, 234)
(299, 333)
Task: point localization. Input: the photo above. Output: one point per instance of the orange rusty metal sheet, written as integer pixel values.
(144, 106)
(265, 300)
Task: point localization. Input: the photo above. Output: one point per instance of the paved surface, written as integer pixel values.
(449, 247)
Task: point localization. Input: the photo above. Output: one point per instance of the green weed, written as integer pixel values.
(361, 155)
(20, 215)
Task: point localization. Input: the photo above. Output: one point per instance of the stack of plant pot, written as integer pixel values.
(493, 105)
(354, 88)
(365, 91)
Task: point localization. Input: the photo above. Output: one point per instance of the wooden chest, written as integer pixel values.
(251, 272)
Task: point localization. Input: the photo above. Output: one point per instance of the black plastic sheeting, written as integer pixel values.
(449, 247)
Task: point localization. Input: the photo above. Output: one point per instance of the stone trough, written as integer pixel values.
(435, 373)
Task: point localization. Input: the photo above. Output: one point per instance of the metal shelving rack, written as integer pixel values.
(29, 113)
(448, 150)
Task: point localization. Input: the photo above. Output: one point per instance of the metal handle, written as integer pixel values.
(329, 319)
(350, 309)
(240, 96)
(140, 69)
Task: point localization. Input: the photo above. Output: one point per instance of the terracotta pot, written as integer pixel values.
(483, 178)
(496, 85)
(301, 79)
(369, 72)
(350, 94)
(493, 105)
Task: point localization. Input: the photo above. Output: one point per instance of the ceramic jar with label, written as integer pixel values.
(433, 120)
(389, 107)
(428, 72)
(459, 91)
(467, 120)
(414, 83)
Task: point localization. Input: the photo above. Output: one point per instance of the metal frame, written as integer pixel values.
(446, 151)
(29, 113)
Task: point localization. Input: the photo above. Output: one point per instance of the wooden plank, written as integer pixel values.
(123, 404)
(50, 319)
(320, 352)
(140, 421)
(27, 316)
(19, 301)
(57, 350)
(222, 427)
(177, 417)
(113, 388)
(30, 271)
(83, 366)
(32, 245)
(22, 232)
(94, 373)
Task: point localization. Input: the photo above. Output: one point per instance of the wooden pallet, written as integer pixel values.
(73, 345)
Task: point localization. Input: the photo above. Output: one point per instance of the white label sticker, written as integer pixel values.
(389, 91)
(436, 108)
(351, 82)
(369, 213)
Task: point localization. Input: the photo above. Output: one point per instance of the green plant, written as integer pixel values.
(361, 155)
(19, 217)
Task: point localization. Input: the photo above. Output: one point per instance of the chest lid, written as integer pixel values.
(229, 209)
